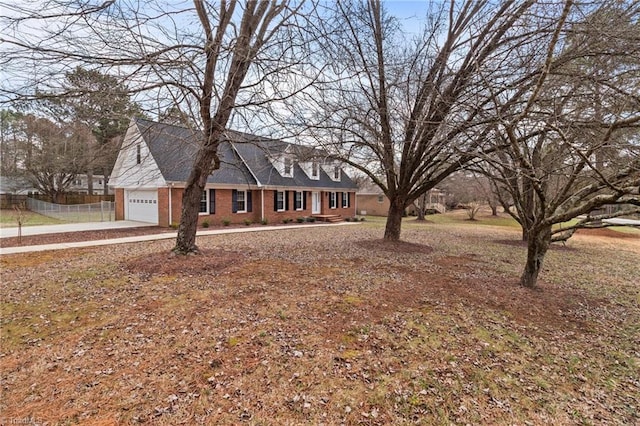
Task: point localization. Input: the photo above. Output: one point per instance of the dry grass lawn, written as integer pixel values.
(324, 326)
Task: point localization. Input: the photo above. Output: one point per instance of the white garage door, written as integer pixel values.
(141, 205)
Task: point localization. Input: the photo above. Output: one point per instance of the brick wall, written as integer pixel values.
(176, 204)
(119, 199)
(224, 207)
(224, 210)
(163, 203)
(339, 210)
(371, 204)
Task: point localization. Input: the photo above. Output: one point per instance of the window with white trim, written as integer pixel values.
(336, 173)
(204, 202)
(280, 205)
(345, 200)
(288, 167)
(241, 201)
(315, 170)
(298, 200)
(333, 200)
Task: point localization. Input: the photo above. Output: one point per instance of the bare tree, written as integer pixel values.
(58, 154)
(100, 102)
(572, 145)
(222, 62)
(12, 149)
(408, 114)
(468, 186)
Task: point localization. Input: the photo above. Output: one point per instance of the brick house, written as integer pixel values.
(371, 201)
(259, 178)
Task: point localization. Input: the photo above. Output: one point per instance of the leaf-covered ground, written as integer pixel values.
(324, 326)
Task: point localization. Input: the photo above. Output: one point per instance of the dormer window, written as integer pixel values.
(336, 173)
(288, 167)
(315, 170)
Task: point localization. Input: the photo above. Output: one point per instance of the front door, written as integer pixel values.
(315, 203)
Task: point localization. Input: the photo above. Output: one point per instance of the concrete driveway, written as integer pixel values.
(622, 221)
(70, 227)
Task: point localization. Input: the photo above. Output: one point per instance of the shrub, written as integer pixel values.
(300, 219)
(285, 221)
(264, 221)
(174, 225)
(347, 219)
(362, 219)
(247, 222)
(311, 219)
(473, 209)
(205, 224)
(226, 222)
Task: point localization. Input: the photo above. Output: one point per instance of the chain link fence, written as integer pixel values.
(103, 211)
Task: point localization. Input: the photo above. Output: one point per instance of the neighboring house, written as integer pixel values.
(372, 201)
(16, 186)
(259, 179)
(80, 185)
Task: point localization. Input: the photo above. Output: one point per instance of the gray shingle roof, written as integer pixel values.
(174, 149)
(243, 156)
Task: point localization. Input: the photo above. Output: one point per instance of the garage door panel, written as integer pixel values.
(142, 205)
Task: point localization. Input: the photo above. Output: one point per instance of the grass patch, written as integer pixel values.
(626, 229)
(8, 219)
(459, 217)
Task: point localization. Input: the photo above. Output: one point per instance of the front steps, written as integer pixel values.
(330, 218)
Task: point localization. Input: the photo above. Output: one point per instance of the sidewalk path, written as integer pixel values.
(164, 236)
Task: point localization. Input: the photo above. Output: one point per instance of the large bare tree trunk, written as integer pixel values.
(394, 219)
(422, 205)
(206, 161)
(186, 240)
(537, 246)
(90, 181)
(105, 182)
(256, 18)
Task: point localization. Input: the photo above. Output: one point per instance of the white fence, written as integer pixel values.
(103, 211)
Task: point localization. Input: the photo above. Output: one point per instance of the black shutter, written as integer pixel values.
(212, 201)
(341, 202)
(348, 199)
(275, 201)
(304, 200)
(234, 201)
(286, 200)
(249, 204)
